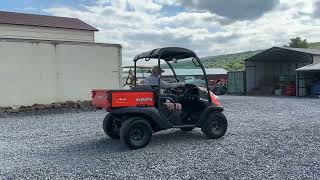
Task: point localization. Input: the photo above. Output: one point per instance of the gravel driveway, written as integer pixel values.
(268, 138)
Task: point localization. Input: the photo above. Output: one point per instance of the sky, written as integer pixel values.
(209, 27)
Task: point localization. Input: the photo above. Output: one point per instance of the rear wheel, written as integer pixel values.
(111, 127)
(136, 133)
(215, 126)
(186, 129)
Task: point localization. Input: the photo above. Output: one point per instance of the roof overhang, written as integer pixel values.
(309, 68)
(36, 20)
(282, 54)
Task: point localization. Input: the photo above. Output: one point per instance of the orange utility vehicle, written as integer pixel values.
(136, 113)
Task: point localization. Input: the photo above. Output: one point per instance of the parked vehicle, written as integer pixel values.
(218, 87)
(144, 109)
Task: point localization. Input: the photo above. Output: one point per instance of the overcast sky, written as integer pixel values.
(209, 27)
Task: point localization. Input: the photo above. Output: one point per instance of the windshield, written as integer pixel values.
(187, 70)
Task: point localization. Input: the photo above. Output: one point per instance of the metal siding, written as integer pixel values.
(86, 67)
(316, 59)
(250, 76)
(236, 82)
(45, 72)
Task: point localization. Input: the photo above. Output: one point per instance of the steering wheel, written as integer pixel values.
(170, 99)
(163, 108)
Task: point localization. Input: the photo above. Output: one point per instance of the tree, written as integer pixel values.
(298, 43)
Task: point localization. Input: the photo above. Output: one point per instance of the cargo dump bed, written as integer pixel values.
(106, 99)
(100, 98)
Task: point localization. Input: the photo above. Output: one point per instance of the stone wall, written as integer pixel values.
(36, 107)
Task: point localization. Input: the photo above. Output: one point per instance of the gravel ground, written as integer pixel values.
(268, 138)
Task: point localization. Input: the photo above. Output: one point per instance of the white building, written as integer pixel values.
(45, 59)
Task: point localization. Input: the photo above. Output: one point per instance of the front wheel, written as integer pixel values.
(215, 126)
(136, 133)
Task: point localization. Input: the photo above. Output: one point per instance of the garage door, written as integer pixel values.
(250, 77)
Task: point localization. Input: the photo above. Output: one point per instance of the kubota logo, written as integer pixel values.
(144, 100)
(121, 100)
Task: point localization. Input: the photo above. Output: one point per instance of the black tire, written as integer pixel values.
(215, 126)
(110, 127)
(136, 133)
(187, 129)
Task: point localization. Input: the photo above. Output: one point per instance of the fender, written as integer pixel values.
(151, 112)
(208, 110)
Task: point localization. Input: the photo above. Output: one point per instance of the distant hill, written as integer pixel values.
(315, 45)
(229, 62)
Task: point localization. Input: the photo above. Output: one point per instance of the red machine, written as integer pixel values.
(136, 113)
(121, 98)
(290, 90)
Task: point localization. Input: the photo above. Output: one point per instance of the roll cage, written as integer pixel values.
(170, 54)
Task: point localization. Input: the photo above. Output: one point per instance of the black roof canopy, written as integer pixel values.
(167, 54)
(284, 54)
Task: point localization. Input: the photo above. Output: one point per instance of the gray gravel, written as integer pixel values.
(268, 138)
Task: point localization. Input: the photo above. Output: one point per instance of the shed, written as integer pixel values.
(308, 80)
(271, 71)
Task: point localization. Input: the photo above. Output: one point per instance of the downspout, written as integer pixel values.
(120, 66)
(245, 78)
(297, 84)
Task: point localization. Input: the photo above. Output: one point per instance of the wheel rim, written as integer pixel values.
(217, 126)
(137, 135)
